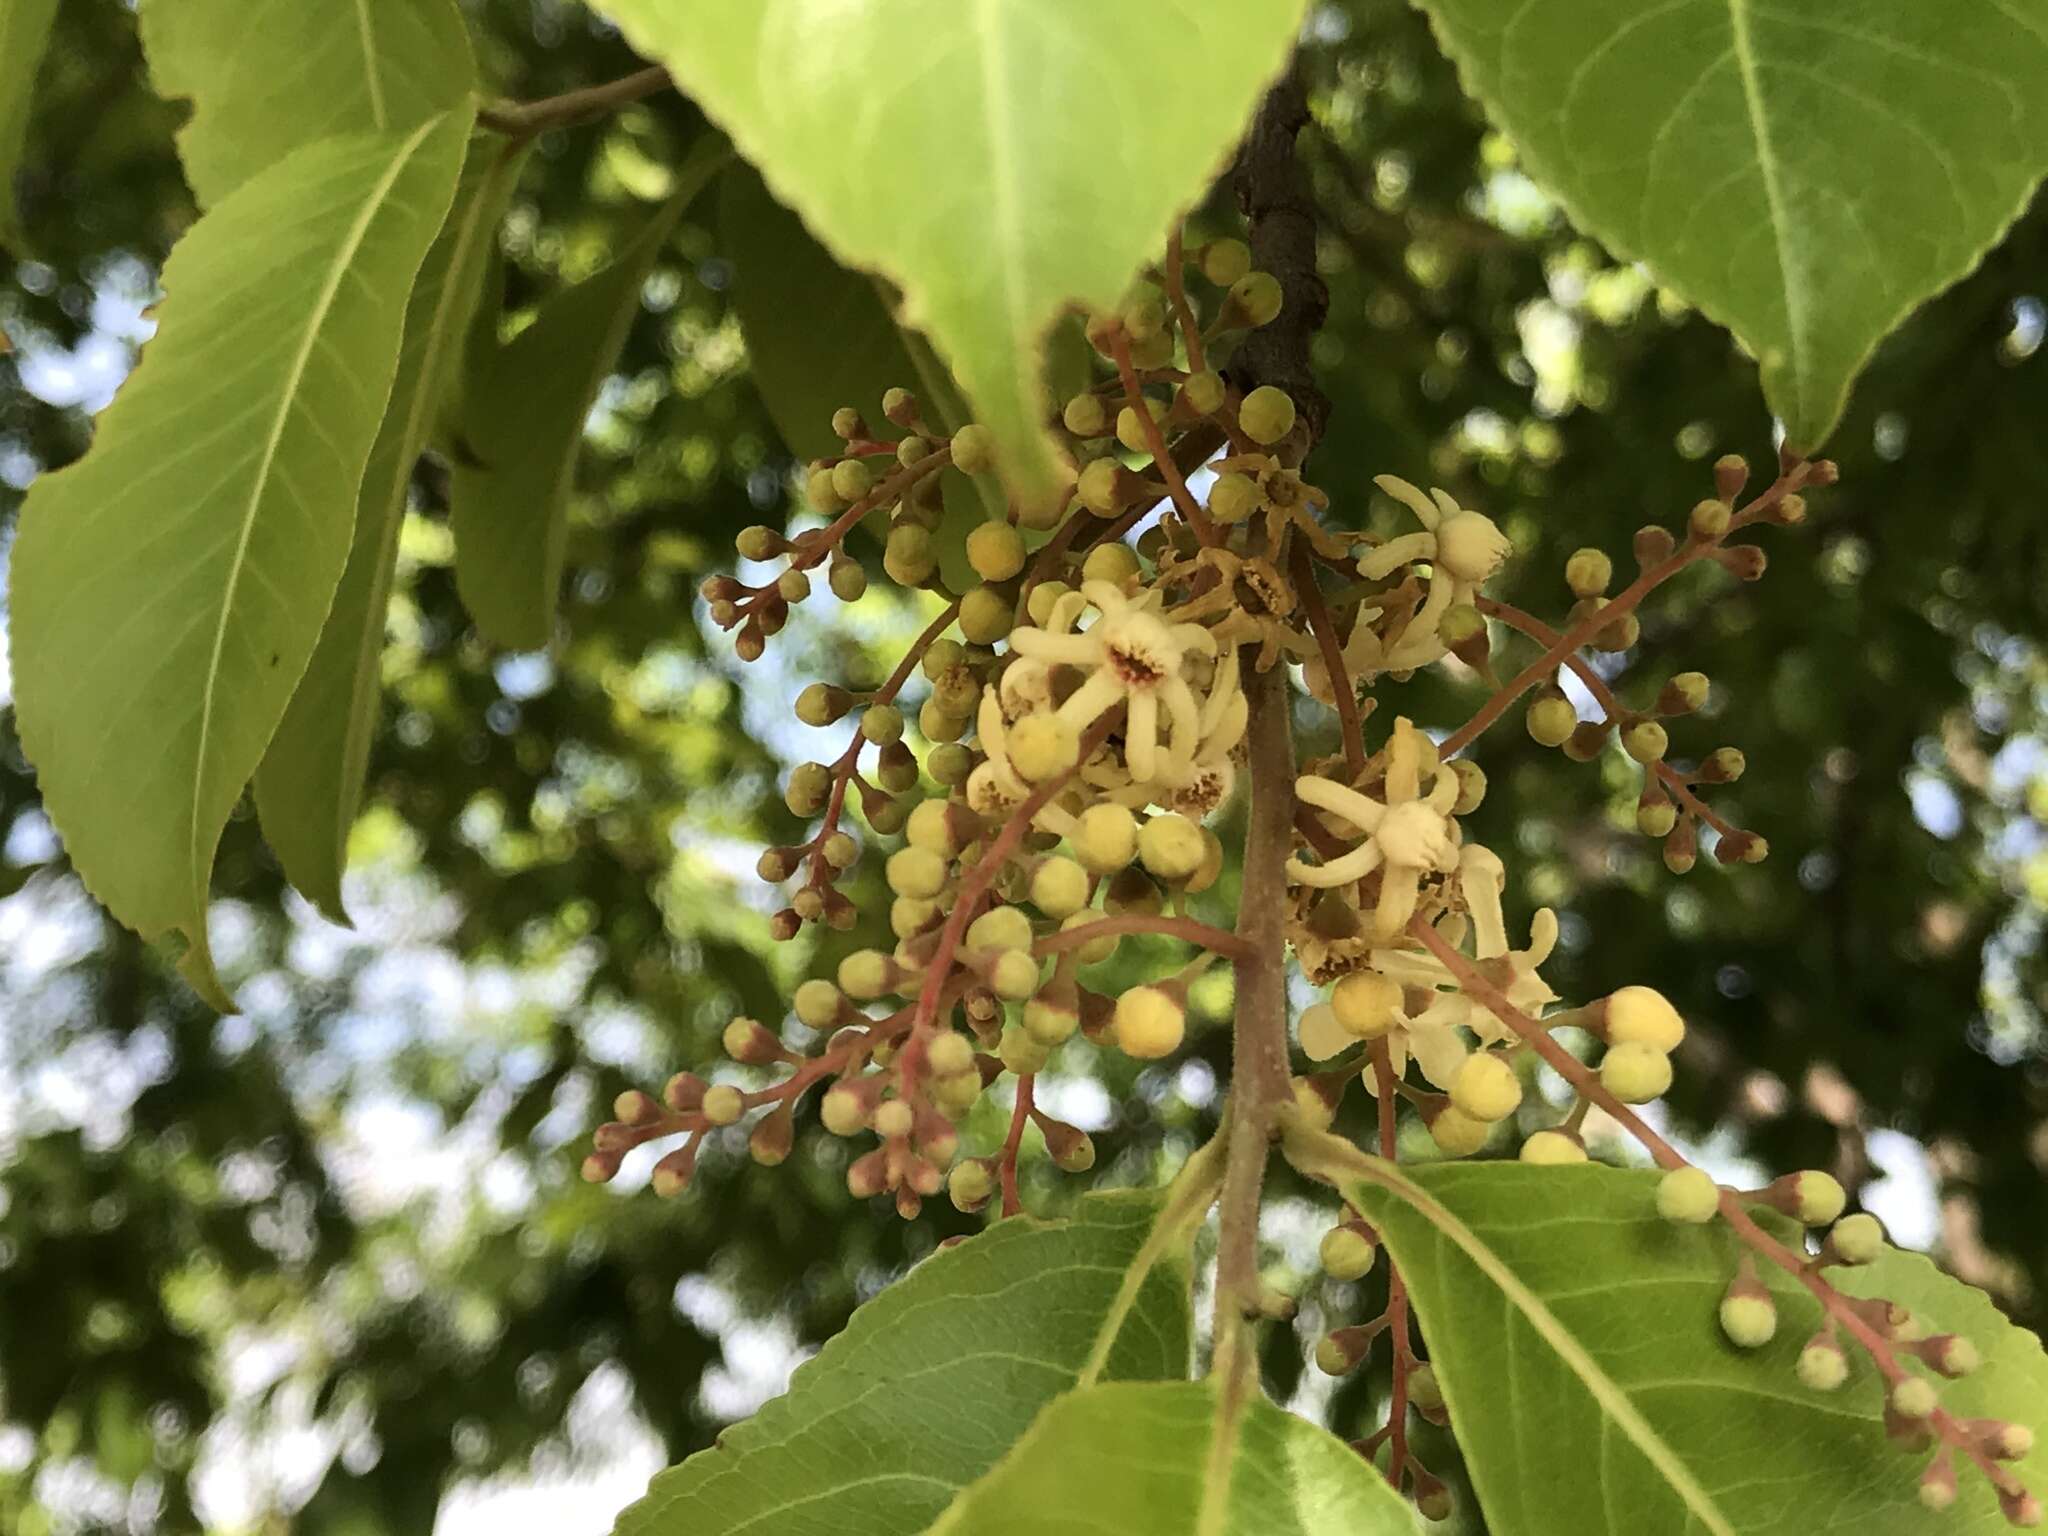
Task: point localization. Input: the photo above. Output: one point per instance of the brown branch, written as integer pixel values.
(524, 119)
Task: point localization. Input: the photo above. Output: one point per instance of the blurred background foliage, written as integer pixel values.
(310, 1268)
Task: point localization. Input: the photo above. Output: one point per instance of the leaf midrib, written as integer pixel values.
(1774, 193)
(287, 403)
(1607, 1394)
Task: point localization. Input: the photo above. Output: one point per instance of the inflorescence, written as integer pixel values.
(1084, 720)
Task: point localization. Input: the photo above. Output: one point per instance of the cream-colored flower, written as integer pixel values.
(1132, 656)
(1463, 548)
(1406, 835)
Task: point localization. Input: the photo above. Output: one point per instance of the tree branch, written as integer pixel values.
(524, 119)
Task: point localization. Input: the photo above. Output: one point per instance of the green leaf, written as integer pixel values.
(818, 336)
(24, 36)
(935, 1379)
(264, 82)
(523, 419)
(311, 779)
(168, 588)
(996, 159)
(1804, 172)
(1574, 1332)
(1139, 1458)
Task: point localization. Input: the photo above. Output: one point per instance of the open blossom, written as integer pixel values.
(1407, 834)
(1463, 550)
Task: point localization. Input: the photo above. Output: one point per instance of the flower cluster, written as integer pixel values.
(1085, 716)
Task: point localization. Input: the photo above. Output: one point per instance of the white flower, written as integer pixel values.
(1464, 549)
(1406, 835)
(1132, 657)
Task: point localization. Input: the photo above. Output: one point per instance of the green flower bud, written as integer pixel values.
(1267, 415)
(974, 449)
(1346, 1253)
(882, 723)
(1688, 1195)
(1086, 416)
(852, 479)
(810, 784)
(996, 551)
(1203, 392)
(1234, 497)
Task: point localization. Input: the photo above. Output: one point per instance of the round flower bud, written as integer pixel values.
(974, 449)
(1149, 1023)
(999, 929)
(1656, 818)
(986, 616)
(1470, 546)
(1724, 765)
(938, 724)
(911, 915)
(1086, 416)
(1709, 520)
(1471, 787)
(1645, 741)
(1635, 1073)
(1552, 1149)
(1225, 261)
(882, 723)
(1915, 1398)
(821, 704)
(1014, 976)
(1051, 1018)
(1457, 1134)
(887, 818)
(916, 872)
(1347, 1253)
(1171, 846)
(1096, 950)
(1022, 1052)
(908, 556)
(1101, 487)
(1424, 1390)
(747, 1040)
(1686, 692)
(1130, 427)
(1588, 572)
(1311, 1105)
(864, 974)
(1688, 1195)
(1107, 839)
(1059, 887)
(848, 581)
(1203, 392)
(1233, 498)
(1817, 1198)
(809, 784)
(852, 479)
(818, 1003)
(1256, 297)
(950, 764)
(1043, 747)
(1823, 1365)
(1749, 1319)
(1114, 563)
(842, 1112)
(758, 543)
(819, 491)
(1339, 1351)
(1856, 1239)
(1551, 719)
(1366, 1004)
(793, 586)
(950, 1052)
(970, 1185)
(893, 1117)
(1485, 1087)
(996, 551)
(1643, 1016)
(931, 827)
(912, 450)
(1266, 415)
(722, 1105)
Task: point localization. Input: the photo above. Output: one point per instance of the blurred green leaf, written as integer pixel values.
(24, 34)
(1807, 174)
(167, 590)
(262, 82)
(523, 419)
(1151, 1459)
(310, 782)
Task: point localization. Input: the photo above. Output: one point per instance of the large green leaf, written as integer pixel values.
(311, 779)
(1805, 171)
(1575, 1335)
(523, 419)
(996, 158)
(168, 588)
(935, 1379)
(266, 76)
(1159, 1459)
(24, 35)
